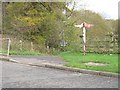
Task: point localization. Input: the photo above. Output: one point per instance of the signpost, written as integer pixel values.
(84, 26)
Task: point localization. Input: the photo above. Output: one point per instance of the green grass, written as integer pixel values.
(77, 60)
(23, 53)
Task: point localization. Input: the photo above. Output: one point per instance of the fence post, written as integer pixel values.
(31, 46)
(21, 45)
(9, 42)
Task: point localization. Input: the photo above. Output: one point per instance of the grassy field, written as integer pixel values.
(78, 59)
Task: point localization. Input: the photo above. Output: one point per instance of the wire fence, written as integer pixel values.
(19, 46)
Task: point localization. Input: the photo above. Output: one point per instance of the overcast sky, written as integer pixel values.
(108, 8)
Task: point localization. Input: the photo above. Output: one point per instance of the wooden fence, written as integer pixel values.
(108, 45)
(101, 46)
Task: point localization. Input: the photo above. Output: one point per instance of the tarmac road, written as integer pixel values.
(36, 59)
(15, 75)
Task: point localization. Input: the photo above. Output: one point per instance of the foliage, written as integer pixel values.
(33, 20)
(45, 24)
(26, 53)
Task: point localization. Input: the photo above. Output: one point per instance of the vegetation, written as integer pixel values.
(48, 27)
(51, 24)
(25, 53)
(78, 60)
(38, 22)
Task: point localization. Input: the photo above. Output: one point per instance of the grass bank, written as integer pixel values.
(78, 60)
(23, 53)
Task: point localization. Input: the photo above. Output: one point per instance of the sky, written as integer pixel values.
(107, 8)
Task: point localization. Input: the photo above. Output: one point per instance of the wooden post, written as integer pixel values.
(9, 42)
(31, 46)
(21, 45)
(84, 40)
(84, 26)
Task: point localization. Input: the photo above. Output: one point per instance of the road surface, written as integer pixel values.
(16, 75)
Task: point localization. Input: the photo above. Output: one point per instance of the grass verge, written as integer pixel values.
(77, 60)
(23, 53)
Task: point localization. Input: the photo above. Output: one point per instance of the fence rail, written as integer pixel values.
(101, 46)
(91, 46)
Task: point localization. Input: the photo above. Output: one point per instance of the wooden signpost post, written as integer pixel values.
(84, 26)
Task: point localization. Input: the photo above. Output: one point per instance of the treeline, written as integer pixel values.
(52, 24)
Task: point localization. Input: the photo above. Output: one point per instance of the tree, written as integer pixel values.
(34, 19)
